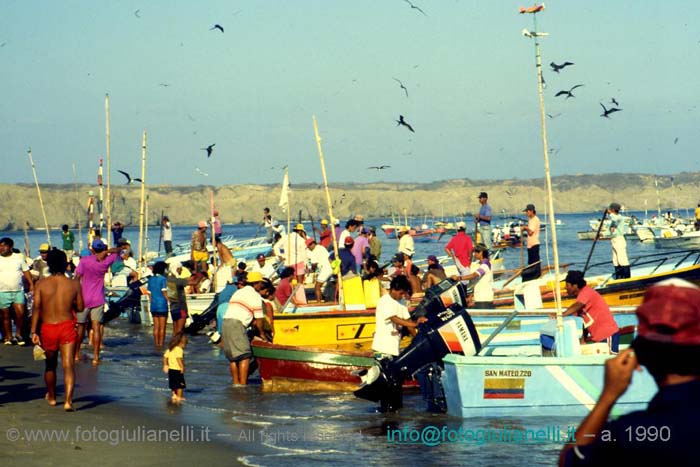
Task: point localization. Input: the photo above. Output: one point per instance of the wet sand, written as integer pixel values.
(103, 430)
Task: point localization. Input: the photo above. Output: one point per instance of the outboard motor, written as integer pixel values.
(202, 320)
(449, 329)
(130, 301)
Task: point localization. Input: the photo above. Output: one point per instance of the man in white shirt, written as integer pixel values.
(391, 315)
(318, 257)
(482, 275)
(263, 267)
(406, 245)
(533, 244)
(244, 308)
(167, 236)
(12, 269)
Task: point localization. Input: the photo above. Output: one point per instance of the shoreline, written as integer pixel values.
(105, 428)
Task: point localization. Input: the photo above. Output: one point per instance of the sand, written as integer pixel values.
(103, 430)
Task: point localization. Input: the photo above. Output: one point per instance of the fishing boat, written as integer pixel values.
(242, 249)
(679, 240)
(565, 384)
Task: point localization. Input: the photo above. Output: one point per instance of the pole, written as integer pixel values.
(595, 240)
(548, 178)
(27, 250)
(160, 235)
(109, 168)
(214, 261)
(77, 200)
(143, 198)
(41, 201)
(313, 227)
(330, 209)
(145, 224)
(100, 200)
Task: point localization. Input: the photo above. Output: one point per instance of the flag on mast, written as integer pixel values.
(284, 196)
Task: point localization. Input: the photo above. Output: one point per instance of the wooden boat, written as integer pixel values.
(684, 240)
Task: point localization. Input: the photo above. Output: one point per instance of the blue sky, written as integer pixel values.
(253, 89)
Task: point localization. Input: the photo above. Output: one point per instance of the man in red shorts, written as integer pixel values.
(56, 300)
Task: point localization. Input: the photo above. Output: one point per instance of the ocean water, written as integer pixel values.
(329, 429)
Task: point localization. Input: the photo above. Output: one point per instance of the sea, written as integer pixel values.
(321, 429)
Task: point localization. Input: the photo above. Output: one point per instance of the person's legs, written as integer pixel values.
(6, 325)
(160, 325)
(243, 366)
(317, 289)
(178, 325)
(19, 320)
(96, 341)
(50, 376)
(68, 363)
(233, 368)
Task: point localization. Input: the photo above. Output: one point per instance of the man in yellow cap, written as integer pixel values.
(244, 308)
(325, 236)
(40, 267)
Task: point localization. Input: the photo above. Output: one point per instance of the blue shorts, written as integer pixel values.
(7, 299)
(161, 314)
(177, 313)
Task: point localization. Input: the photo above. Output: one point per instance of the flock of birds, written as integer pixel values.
(569, 93)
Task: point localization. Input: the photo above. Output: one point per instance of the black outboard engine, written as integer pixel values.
(130, 301)
(202, 320)
(449, 329)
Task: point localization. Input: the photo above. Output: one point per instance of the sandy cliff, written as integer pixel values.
(187, 204)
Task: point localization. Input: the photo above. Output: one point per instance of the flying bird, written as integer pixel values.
(209, 149)
(568, 93)
(675, 140)
(553, 116)
(615, 102)
(129, 180)
(401, 121)
(196, 169)
(556, 68)
(379, 167)
(402, 86)
(217, 26)
(417, 8)
(136, 13)
(606, 113)
(164, 85)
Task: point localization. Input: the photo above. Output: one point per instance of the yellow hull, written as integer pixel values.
(324, 327)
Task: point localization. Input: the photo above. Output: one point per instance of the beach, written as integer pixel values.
(105, 427)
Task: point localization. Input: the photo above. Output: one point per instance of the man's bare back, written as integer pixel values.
(57, 298)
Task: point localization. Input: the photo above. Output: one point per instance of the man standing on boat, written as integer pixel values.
(533, 244)
(375, 245)
(325, 236)
(318, 258)
(460, 248)
(68, 242)
(167, 236)
(618, 242)
(267, 225)
(598, 321)
(263, 267)
(198, 247)
(483, 220)
(668, 345)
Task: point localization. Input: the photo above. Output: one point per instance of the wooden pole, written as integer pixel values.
(27, 250)
(330, 210)
(160, 235)
(143, 199)
(100, 202)
(548, 178)
(41, 201)
(109, 169)
(214, 258)
(595, 240)
(77, 200)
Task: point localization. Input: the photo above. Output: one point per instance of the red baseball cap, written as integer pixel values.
(670, 313)
(309, 241)
(349, 240)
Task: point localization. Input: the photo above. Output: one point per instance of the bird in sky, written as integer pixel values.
(209, 149)
(614, 101)
(379, 167)
(415, 7)
(136, 13)
(129, 180)
(556, 68)
(164, 85)
(606, 112)
(401, 121)
(402, 86)
(553, 116)
(217, 26)
(675, 140)
(568, 93)
(196, 169)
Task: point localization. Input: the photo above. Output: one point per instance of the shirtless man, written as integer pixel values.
(56, 299)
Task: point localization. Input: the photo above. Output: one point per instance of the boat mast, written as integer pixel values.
(109, 184)
(41, 201)
(77, 200)
(535, 35)
(143, 200)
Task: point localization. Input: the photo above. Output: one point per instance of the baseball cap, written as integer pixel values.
(403, 228)
(670, 313)
(260, 256)
(432, 258)
(398, 257)
(324, 222)
(44, 247)
(349, 240)
(254, 276)
(615, 206)
(461, 225)
(483, 194)
(359, 218)
(336, 221)
(98, 245)
(309, 241)
(529, 207)
(216, 212)
(299, 227)
(202, 224)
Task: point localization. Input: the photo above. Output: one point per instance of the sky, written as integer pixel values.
(252, 90)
